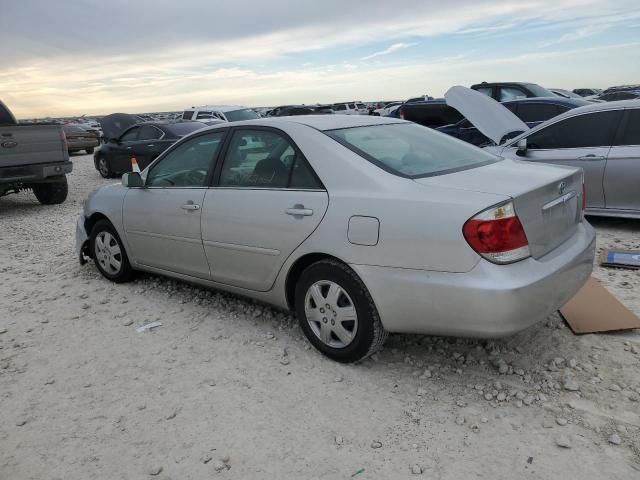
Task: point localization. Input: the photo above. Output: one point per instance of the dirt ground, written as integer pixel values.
(227, 388)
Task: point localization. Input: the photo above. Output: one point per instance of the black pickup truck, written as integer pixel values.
(33, 157)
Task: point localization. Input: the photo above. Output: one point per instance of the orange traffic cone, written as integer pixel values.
(134, 164)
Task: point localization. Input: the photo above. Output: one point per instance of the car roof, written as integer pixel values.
(492, 84)
(318, 122)
(219, 108)
(574, 102)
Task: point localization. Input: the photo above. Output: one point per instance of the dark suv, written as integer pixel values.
(506, 91)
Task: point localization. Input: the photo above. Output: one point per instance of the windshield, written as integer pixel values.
(539, 91)
(410, 150)
(237, 115)
(184, 128)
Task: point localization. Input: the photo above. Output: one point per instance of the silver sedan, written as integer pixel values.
(360, 225)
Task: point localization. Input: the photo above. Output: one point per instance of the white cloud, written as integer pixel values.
(393, 48)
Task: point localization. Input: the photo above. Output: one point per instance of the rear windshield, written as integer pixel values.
(410, 150)
(70, 129)
(237, 115)
(183, 128)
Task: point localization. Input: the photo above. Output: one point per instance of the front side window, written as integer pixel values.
(631, 134)
(130, 135)
(536, 112)
(582, 131)
(188, 164)
(411, 150)
(340, 107)
(508, 93)
(149, 132)
(204, 115)
(265, 159)
(187, 115)
(485, 91)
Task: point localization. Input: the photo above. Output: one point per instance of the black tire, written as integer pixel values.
(89, 150)
(103, 167)
(369, 333)
(51, 193)
(125, 272)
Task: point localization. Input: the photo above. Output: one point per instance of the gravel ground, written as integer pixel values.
(229, 388)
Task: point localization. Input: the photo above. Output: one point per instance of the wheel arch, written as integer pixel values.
(296, 270)
(93, 219)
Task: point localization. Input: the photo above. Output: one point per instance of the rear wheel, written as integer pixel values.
(336, 312)
(51, 193)
(103, 167)
(108, 253)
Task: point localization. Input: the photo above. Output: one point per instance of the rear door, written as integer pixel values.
(622, 174)
(580, 141)
(123, 149)
(162, 220)
(266, 201)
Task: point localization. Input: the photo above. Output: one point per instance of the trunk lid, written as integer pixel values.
(547, 198)
(490, 117)
(114, 125)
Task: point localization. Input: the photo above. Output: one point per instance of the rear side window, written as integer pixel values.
(588, 130)
(485, 90)
(187, 115)
(410, 150)
(265, 159)
(631, 134)
(339, 107)
(536, 112)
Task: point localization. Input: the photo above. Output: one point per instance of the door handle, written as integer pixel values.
(299, 210)
(128, 148)
(190, 206)
(591, 158)
(151, 145)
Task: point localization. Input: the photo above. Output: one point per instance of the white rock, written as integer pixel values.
(416, 469)
(615, 439)
(376, 444)
(563, 441)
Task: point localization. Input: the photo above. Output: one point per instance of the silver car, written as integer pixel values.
(603, 139)
(360, 225)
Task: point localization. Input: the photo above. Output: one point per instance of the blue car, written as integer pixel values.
(531, 111)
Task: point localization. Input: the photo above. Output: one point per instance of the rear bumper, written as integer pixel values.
(34, 173)
(490, 300)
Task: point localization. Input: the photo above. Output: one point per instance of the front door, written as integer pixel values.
(266, 202)
(584, 141)
(622, 175)
(162, 219)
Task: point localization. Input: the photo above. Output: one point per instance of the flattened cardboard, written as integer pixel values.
(620, 258)
(593, 309)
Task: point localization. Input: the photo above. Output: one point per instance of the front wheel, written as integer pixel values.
(104, 168)
(52, 193)
(89, 150)
(108, 253)
(336, 312)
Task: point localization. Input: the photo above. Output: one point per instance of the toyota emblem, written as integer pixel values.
(562, 187)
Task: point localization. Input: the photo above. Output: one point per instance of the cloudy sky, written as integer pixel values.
(72, 57)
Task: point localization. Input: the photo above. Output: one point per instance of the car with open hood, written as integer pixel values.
(532, 111)
(127, 136)
(361, 225)
(226, 113)
(603, 139)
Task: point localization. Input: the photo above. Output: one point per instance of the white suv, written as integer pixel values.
(350, 108)
(227, 113)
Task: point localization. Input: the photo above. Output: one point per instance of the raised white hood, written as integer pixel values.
(490, 117)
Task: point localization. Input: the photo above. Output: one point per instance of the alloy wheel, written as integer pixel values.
(331, 314)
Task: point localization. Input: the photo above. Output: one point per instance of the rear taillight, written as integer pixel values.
(63, 137)
(402, 114)
(584, 197)
(497, 235)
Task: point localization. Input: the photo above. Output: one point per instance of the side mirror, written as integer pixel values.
(522, 147)
(132, 180)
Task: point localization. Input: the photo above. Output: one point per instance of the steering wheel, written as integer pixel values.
(195, 177)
